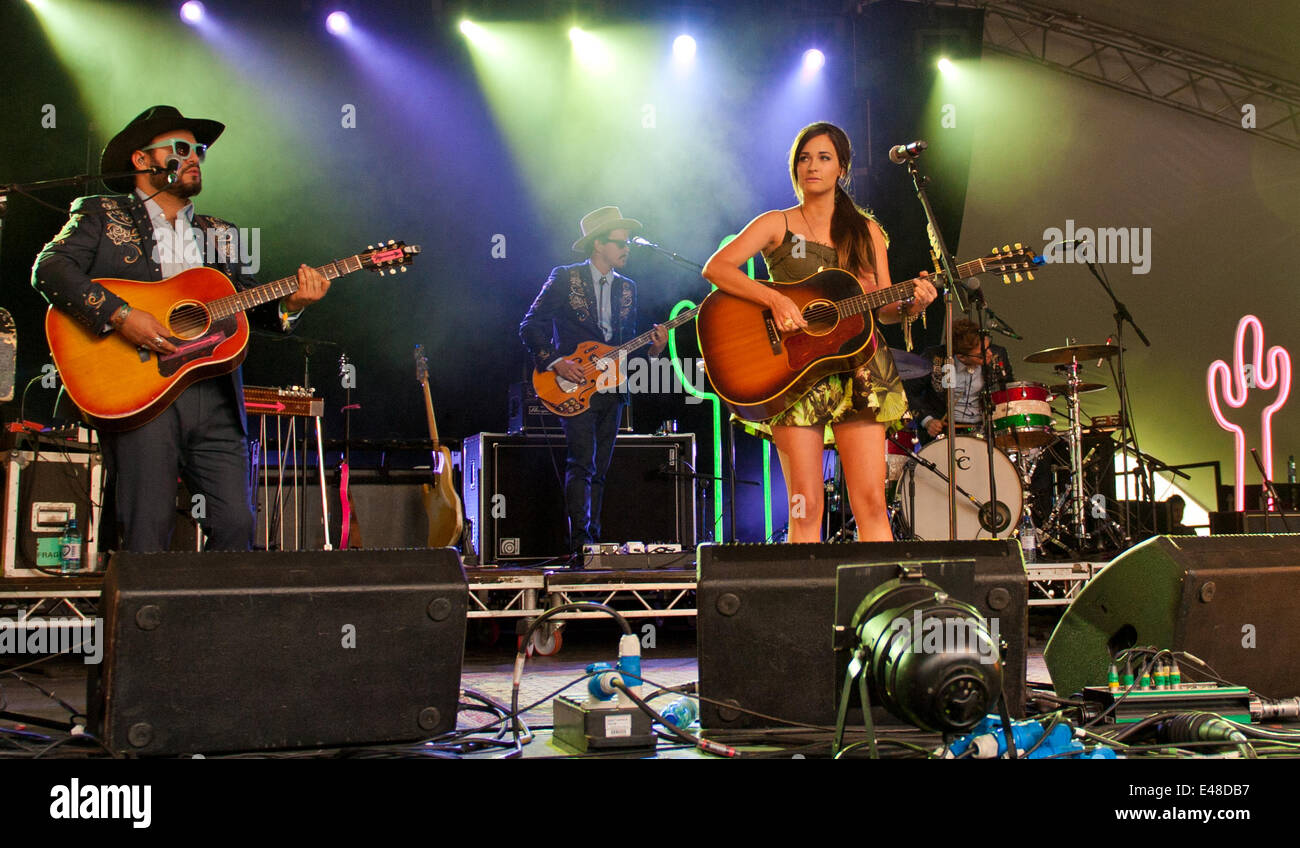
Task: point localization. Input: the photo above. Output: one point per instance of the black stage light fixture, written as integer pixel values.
(931, 660)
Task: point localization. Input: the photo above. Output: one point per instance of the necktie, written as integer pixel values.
(606, 325)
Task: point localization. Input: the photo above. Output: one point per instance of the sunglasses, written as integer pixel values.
(181, 148)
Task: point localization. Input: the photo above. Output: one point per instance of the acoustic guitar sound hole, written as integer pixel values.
(821, 315)
(188, 320)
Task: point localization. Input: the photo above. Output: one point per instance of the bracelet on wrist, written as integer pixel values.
(118, 318)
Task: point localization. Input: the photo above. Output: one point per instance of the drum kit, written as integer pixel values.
(1024, 429)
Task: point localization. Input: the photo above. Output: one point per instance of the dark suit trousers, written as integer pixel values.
(590, 438)
(200, 440)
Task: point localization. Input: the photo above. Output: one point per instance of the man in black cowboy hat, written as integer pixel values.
(585, 302)
(149, 232)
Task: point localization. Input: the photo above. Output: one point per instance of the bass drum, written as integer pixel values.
(926, 512)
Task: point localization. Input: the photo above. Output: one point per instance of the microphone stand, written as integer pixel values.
(26, 189)
(952, 298)
(694, 266)
(1127, 432)
(1277, 499)
(986, 414)
(731, 433)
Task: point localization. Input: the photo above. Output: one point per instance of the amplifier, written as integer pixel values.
(1254, 521)
(43, 491)
(530, 415)
(513, 490)
(389, 507)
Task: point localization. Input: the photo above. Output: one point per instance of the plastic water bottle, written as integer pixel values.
(70, 548)
(1028, 539)
(681, 713)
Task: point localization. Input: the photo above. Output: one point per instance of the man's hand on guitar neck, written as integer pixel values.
(312, 286)
(658, 339)
(141, 329)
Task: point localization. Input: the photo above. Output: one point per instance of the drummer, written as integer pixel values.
(928, 397)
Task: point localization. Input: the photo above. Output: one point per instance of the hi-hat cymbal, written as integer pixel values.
(910, 366)
(1070, 353)
(1083, 388)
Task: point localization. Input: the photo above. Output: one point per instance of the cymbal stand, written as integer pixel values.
(1076, 452)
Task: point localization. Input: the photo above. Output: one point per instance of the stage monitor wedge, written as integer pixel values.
(766, 616)
(219, 652)
(1232, 601)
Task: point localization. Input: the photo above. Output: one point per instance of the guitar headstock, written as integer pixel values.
(390, 256)
(1009, 261)
(421, 365)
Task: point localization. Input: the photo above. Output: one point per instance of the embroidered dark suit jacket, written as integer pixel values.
(112, 236)
(565, 313)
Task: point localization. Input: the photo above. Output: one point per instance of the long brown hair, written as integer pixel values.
(849, 229)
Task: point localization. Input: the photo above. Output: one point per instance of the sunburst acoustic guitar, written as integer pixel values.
(760, 370)
(119, 386)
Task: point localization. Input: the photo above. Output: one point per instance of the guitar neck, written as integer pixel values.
(244, 300)
(644, 339)
(900, 291)
(428, 413)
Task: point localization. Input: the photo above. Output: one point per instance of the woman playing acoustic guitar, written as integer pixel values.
(852, 409)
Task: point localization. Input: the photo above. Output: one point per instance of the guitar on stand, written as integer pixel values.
(441, 502)
(350, 532)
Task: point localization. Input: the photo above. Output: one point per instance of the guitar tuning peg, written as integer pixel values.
(403, 269)
(1006, 280)
(1007, 248)
(1029, 274)
(1018, 277)
(1019, 246)
(995, 251)
(390, 241)
(392, 272)
(370, 247)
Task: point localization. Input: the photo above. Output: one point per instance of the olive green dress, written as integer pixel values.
(874, 388)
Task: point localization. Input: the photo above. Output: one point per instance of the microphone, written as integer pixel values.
(643, 242)
(998, 325)
(900, 153)
(172, 167)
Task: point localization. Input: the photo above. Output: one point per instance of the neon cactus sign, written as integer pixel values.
(1262, 371)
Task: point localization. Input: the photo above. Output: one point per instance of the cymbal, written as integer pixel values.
(1071, 352)
(910, 365)
(1083, 389)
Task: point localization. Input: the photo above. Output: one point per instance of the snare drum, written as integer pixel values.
(896, 454)
(1022, 417)
(927, 510)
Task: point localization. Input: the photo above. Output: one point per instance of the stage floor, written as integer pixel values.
(487, 670)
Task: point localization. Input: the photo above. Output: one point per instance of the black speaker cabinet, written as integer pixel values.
(514, 493)
(1233, 601)
(262, 651)
(766, 617)
(1253, 521)
(389, 508)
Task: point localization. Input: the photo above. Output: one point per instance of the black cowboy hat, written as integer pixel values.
(145, 127)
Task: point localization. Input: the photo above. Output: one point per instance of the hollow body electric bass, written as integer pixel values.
(760, 370)
(119, 386)
(603, 370)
